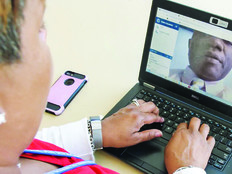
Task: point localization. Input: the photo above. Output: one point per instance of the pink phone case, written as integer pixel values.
(63, 91)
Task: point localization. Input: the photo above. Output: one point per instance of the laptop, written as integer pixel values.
(183, 43)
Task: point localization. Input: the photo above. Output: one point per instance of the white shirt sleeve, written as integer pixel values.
(72, 137)
(190, 170)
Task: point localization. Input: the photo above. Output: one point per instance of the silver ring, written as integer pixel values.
(135, 101)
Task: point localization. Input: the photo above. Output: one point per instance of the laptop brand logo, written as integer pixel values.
(195, 97)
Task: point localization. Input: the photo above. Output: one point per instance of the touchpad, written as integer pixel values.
(151, 154)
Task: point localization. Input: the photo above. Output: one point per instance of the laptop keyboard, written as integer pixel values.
(175, 113)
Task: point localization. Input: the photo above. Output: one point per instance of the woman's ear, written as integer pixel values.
(2, 116)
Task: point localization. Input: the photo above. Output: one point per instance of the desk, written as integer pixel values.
(104, 40)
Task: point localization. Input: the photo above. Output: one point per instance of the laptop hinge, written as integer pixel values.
(148, 86)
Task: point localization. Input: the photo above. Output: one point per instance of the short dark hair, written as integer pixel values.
(11, 16)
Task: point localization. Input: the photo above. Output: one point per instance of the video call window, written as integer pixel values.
(192, 59)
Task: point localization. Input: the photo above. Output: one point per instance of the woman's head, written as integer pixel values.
(11, 14)
(25, 74)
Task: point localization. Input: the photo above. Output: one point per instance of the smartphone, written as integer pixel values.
(63, 91)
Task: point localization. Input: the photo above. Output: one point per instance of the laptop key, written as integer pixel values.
(216, 124)
(140, 96)
(155, 97)
(143, 92)
(203, 118)
(211, 162)
(210, 121)
(229, 143)
(146, 98)
(165, 114)
(229, 136)
(212, 157)
(153, 100)
(167, 136)
(169, 123)
(185, 110)
(224, 148)
(175, 125)
(166, 107)
(179, 113)
(221, 161)
(217, 137)
(223, 140)
(186, 117)
(173, 110)
(180, 120)
(161, 139)
(161, 99)
(173, 105)
(223, 133)
(160, 111)
(220, 154)
(215, 129)
(159, 104)
(179, 107)
(169, 130)
(223, 127)
(192, 114)
(167, 102)
(219, 166)
(196, 115)
(172, 117)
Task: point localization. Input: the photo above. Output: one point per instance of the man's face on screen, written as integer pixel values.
(210, 57)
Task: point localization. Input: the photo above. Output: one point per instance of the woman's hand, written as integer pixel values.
(122, 128)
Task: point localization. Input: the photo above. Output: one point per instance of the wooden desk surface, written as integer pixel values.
(104, 40)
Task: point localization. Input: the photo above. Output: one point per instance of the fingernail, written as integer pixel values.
(162, 119)
(158, 134)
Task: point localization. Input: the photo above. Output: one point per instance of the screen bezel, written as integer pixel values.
(154, 80)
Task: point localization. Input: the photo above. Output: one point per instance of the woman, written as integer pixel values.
(25, 76)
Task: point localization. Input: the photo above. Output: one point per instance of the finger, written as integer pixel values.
(182, 126)
(147, 135)
(141, 101)
(149, 107)
(204, 130)
(151, 118)
(156, 111)
(194, 124)
(211, 142)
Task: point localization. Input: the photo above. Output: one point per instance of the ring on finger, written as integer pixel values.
(135, 101)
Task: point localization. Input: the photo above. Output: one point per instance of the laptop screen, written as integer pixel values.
(191, 53)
